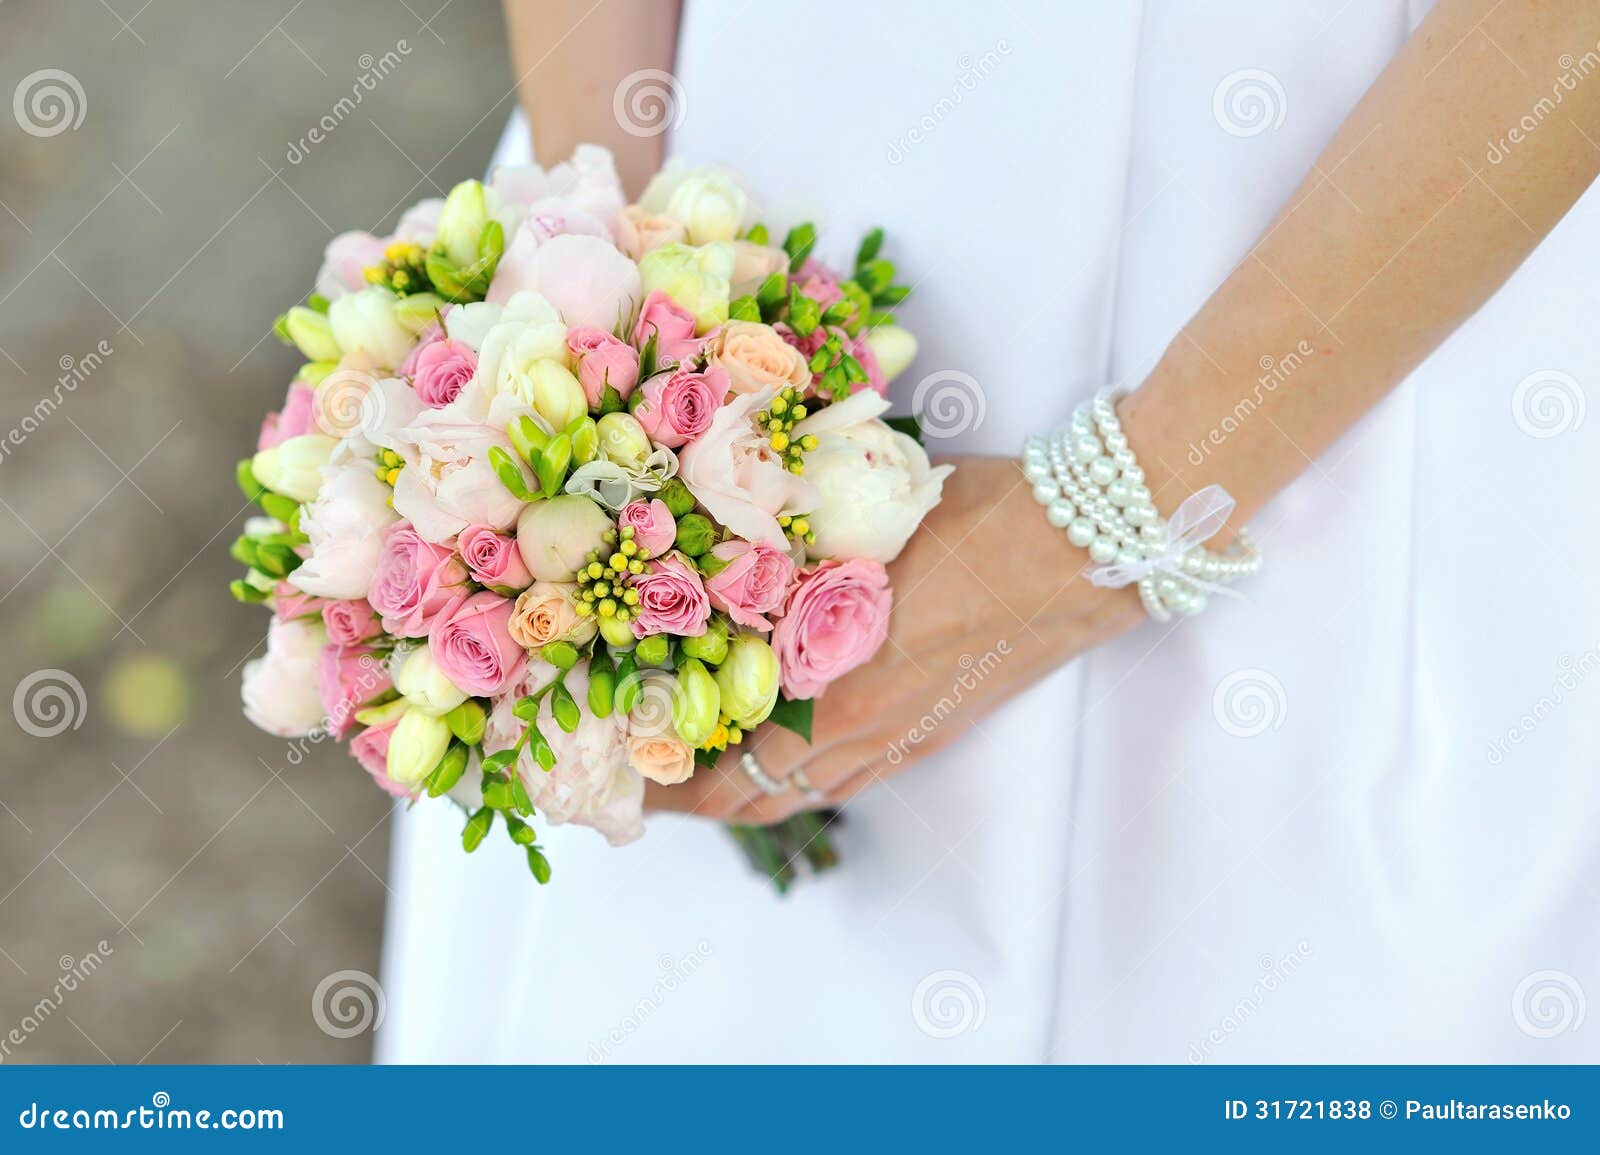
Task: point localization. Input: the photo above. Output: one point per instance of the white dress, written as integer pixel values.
(1353, 820)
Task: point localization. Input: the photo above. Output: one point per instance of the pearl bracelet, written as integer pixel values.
(1089, 481)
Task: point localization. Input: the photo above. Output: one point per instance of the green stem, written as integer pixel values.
(777, 851)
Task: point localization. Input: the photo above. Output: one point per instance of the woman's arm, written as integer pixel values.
(570, 56)
(1401, 230)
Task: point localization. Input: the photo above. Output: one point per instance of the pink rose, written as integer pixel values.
(836, 619)
(290, 602)
(671, 599)
(441, 370)
(492, 558)
(371, 749)
(293, 420)
(472, 645)
(432, 335)
(753, 584)
(350, 622)
(678, 406)
(673, 329)
(347, 679)
(654, 530)
(819, 282)
(603, 360)
(415, 580)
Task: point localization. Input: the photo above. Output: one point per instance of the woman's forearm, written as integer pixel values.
(571, 56)
(1402, 229)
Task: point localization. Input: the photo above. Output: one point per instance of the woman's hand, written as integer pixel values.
(987, 598)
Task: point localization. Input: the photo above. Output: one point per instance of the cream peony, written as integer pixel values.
(280, 688)
(448, 482)
(346, 525)
(874, 485)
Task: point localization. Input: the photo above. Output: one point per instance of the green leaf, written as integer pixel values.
(648, 356)
(248, 485)
(772, 293)
(706, 757)
(744, 308)
(527, 708)
(519, 795)
(497, 762)
(521, 833)
(793, 715)
(477, 829)
(317, 303)
(870, 244)
(497, 794)
(804, 313)
(244, 592)
(539, 864)
(757, 234)
(910, 426)
(280, 329)
(799, 243)
(892, 296)
(610, 401)
(875, 276)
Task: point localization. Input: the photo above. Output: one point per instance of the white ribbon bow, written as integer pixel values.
(1199, 518)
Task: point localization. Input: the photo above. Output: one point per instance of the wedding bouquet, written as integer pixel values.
(572, 493)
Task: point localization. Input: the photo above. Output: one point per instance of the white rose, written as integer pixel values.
(294, 467)
(526, 330)
(280, 688)
(711, 203)
(365, 322)
(346, 525)
(422, 683)
(875, 485)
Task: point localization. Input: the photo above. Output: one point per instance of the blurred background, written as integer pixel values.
(174, 884)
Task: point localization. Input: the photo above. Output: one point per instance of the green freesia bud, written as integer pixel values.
(294, 468)
(695, 534)
(390, 711)
(416, 745)
(527, 437)
(461, 221)
(553, 463)
(477, 829)
(623, 440)
(509, 473)
(313, 373)
(449, 770)
(424, 685)
(894, 348)
(555, 393)
(677, 496)
(564, 708)
(311, 333)
(698, 279)
(467, 721)
(710, 647)
(602, 686)
(696, 706)
(617, 634)
(748, 679)
(585, 436)
(561, 655)
(652, 650)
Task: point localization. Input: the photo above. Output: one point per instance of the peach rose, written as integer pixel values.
(663, 758)
(545, 613)
(639, 231)
(754, 356)
(753, 264)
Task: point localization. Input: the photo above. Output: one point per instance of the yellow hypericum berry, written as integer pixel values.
(595, 569)
(630, 597)
(785, 520)
(779, 442)
(627, 533)
(808, 442)
(394, 476)
(636, 566)
(800, 526)
(735, 735)
(585, 609)
(797, 467)
(618, 561)
(798, 413)
(601, 589)
(608, 608)
(779, 404)
(373, 274)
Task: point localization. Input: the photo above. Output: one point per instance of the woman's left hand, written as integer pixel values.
(988, 597)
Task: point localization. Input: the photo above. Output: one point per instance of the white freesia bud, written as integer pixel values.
(623, 440)
(711, 203)
(312, 334)
(415, 746)
(424, 685)
(894, 348)
(874, 484)
(461, 222)
(554, 393)
(294, 468)
(365, 322)
(748, 678)
(697, 279)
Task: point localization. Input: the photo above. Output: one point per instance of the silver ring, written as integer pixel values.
(764, 781)
(807, 791)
